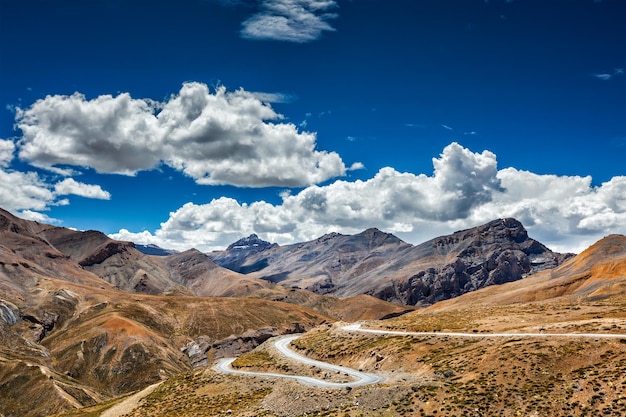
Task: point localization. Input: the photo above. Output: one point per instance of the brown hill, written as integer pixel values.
(69, 338)
(88, 344)
(543, 374)
(84, 318)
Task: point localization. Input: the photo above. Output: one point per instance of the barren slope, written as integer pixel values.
(98, 343)
(68, 338)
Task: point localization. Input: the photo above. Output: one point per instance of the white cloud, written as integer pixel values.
(23, 191)
(290, 20)
(7, 149)
(37, 217)
(216, 138)
(466, 189)
(71, 186)
(603, 76)
(356, 166)
(273, 97)
(606, 76)
(565, 212)
(26, 193)
(74, 131)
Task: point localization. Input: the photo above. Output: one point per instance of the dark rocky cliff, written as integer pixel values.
(497, 252)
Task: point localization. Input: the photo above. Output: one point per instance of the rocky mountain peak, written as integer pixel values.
(236, 253)
(506, 232)
(376, 237)
(327, 237)
(250, 243)
(509, 228)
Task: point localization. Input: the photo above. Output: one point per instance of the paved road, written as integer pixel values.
(357, 328)
(363, 378)
(282, 345)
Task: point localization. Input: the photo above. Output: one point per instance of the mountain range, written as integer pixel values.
(84, 318)
(382, 265)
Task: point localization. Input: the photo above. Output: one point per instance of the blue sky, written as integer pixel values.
(195, 123)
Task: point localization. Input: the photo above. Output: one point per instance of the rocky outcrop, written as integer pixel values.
(201, 349)
(9, 313)
(497, 252)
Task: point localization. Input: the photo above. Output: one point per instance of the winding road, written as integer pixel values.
(357, 328)
(282, 345)
(363, 378)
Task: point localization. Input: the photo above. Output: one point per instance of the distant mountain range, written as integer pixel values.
(382, 265)
(154, 250)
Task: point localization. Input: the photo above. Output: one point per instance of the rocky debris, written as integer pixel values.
(66, 298)
(197, 350)
(41, 326)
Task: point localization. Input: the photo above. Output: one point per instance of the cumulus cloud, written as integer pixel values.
(7, 149)
(566, 212)
(71, 186)
(290, 20)
(109, 134)
(37, 217)
(466, 189)
(24, 191)
(215, 138)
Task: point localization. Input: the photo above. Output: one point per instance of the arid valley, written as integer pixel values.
(92, 326)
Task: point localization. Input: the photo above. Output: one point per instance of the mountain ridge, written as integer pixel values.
(382, 265)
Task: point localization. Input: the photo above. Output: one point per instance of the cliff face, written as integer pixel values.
(446, 267)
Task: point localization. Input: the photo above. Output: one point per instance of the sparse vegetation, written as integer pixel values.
(429, 375)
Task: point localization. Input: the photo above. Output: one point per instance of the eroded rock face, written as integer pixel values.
(497, 252)
(106, 251)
